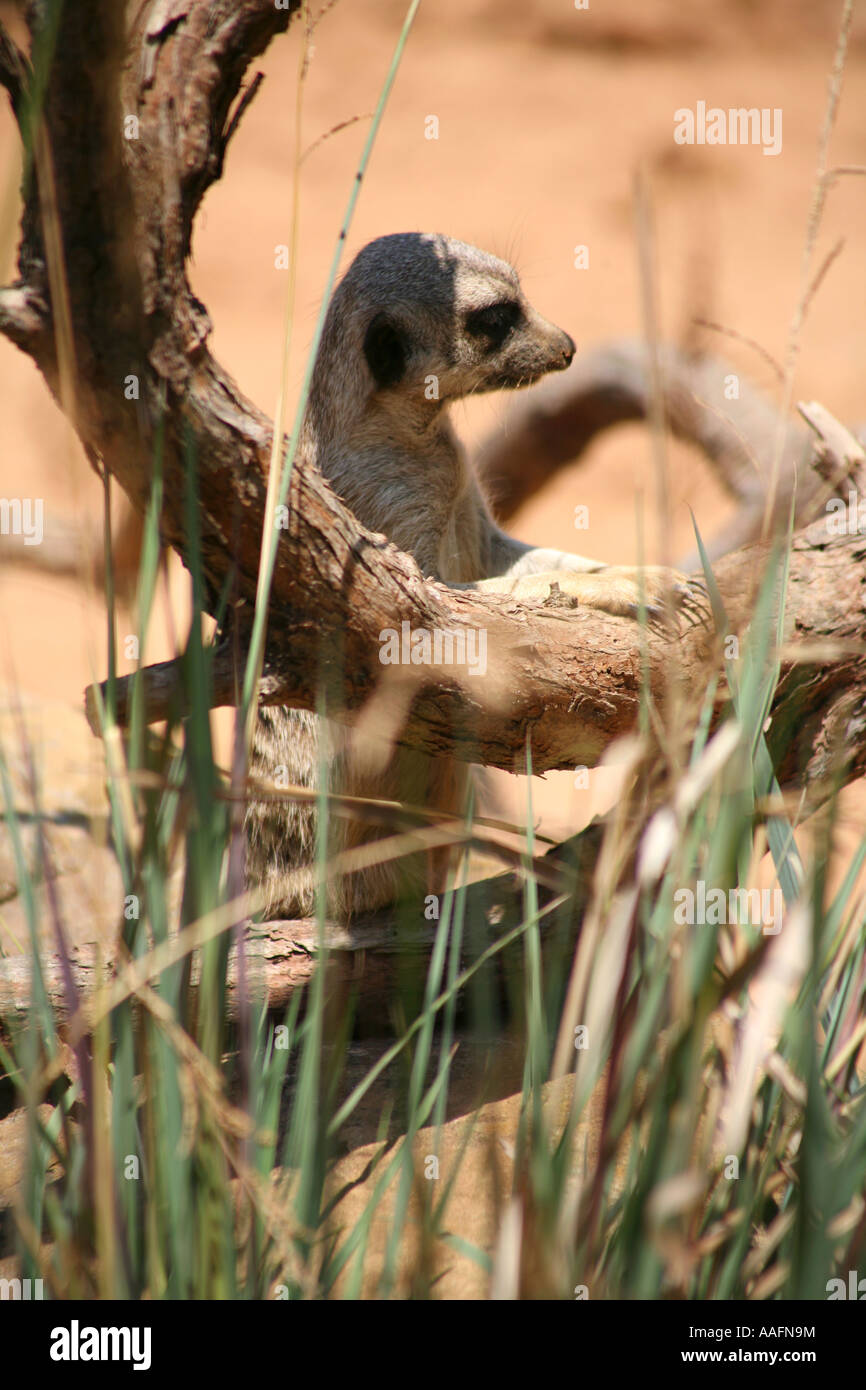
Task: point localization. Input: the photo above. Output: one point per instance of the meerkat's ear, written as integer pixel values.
(386, 350)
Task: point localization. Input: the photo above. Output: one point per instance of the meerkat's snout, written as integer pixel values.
(568, 351)
(532, 349)
(557, 346)
(564, 351)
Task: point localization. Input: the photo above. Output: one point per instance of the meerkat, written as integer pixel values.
(417, 322)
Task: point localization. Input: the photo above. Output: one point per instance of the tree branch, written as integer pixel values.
(706, 403)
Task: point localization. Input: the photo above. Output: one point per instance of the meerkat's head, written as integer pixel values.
(434, 319)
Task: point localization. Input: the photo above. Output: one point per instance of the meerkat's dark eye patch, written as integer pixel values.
(386, 349)
(494, 322)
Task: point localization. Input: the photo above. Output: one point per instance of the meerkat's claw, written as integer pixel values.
(696, 606)
(669, 597)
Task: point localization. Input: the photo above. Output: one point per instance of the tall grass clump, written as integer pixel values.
(179, 1156)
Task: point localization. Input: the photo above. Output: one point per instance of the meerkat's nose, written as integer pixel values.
(569, 348)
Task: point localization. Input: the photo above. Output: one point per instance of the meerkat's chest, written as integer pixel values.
(417, 489)
(460, 558)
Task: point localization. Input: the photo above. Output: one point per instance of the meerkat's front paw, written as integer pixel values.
(619, 590)
(623, 591)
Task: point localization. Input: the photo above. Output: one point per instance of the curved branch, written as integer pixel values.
(706, 403)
